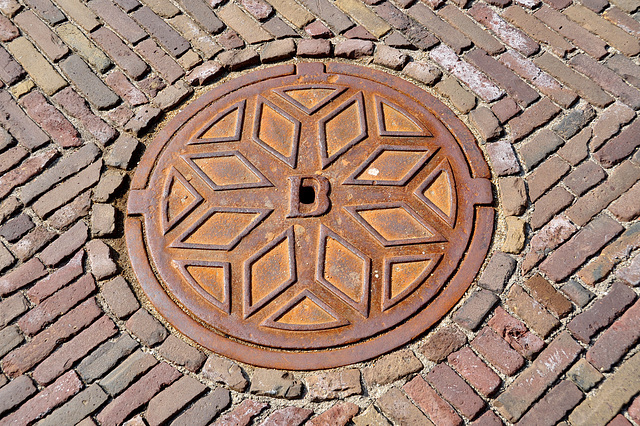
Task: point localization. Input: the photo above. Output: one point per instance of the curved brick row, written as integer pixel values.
(549, 333)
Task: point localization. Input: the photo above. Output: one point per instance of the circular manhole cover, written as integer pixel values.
(303, 218)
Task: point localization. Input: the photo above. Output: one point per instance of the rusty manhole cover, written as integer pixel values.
(303, 218)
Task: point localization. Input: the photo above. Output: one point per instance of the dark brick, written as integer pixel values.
(19, 124)
(545, 293)
(77, 107)
(584, 177)
(475, 371)
(577, 293)
(11, 157)
(560, 400)
(168, 402)
(205, 409)
(10, 70)
(455, 390)
(88, 83)
(545, 175)
(12, 394)
(118, 20)
(149, 330)
(400, 409)
(477, 306)
(16, 227)
(431, 403)
(445, 32)
(124, 57)
(21, 276)
(127, 371)
(105, 357)
(10, 337)
(497, 351)
(585, 375)
(620, 146)
(390, 368)
(548, 205)
(536, 116)
(497, 273)
(574, 121)
(168, 38)
(203, 15)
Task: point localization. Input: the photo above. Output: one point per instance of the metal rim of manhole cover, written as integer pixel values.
(309, 216)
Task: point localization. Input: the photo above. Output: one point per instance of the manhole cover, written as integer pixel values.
(303, 218)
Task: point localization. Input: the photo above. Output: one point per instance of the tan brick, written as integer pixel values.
(243, 24)
(293, 12)
(364, 16)
(36, 65)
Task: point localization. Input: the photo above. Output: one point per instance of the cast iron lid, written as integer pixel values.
(309, 216)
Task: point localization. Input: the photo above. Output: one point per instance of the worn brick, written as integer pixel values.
(371, 417)
(328, 385)
(536, 116)
(47, 399)
(80, 14)
(389, 57)
(400, 409)
(329, 13)
(533, 381)
(238, 59)
(279, 28)
(10, 337)
(123, 87)
(48, 42)
(199, 39)
(118, 20)
(514, 235)
(235, 18)
(505, 109)
(11, 308)
(441, 343)
(69, 213)
(96, 92)
(160, 61)
(77, 107)
(531, 312)
(12, 394)
(173, 95)
(21, 276)
(10, 7)
(145, 115)
(273, 383)
(576, 149)
(119, 297)
(65, 245)
(19, 124)
(8, 31)
(172, 399)
(516, 333)
(620, 146)
(486, 123)
(105, 357)
(475, 371)
(10, 70)
(47, 11)
(423, 72)
(577, 293)
(497, 351)
(225, 372)
(9, 205)
(546, 175)
(630, 274)
(56, 305)
(438, 410)
(103, 220)
(560, 400)
(625, 68)
(626, 207)
(16, 227)
(259, 9)
(124, 57)
(31, 243)
(533, 27)
(585, 375)
(390, 368)
(508, 34)
(583, 178)
(317, 29)
(82, 405)
(127, 371)
(138, 394)
(51, 120)
(274, 51)
(614, 393)
(477, 306)
(168, 38)
(455, 390)
(497, 273)
(11, 157)
(204, 409)
(354, 49)
(609, 122)
(445, 32)
(602, 313)
(203, 15)
(242, 414)
(293, 416)
(26, 170)
(364, 16)
(180, 353)
(574, 121)
(338, 415)
(463, 100)
(545, 293)
(462, 22)
(149, 330)
(503, 158)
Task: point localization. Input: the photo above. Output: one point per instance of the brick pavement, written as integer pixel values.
(549, 332)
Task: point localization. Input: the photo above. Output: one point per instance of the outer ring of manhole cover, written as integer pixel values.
(309, 216)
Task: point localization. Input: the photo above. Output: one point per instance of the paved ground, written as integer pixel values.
(548, 334)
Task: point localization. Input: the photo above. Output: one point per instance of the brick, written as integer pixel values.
(625, 68)
(80, 13)
(127, 91)
(16, 227)
(203, 15)
(8, 31)
(531, 312)
(47, 11)
(630, 274)
(370, 417)
(497, 273)
(504, 77)
(168, 38)
(463, 100)
(609, 123)
(144, 117)
(574, 121)
(204, 409)
(173, 95)
(540, 79)
(9, 205)
(579, 36)
(619, 181)
(124, 57)
(259, 9)
(585, 177)
(609, 80)
(47, 399)
(614, 393)
(392, 367)
(65, 245)
(51, 120)
(354, 49)
(11, 308)
(505, 109)
(438, 410)
(584, 375)
(31, 243)
(533, 27)
(21, 276)
(118, 20)
(77, 107)
(127, 371)
(82, 405)
(546, 175)
(274, 51)
(73, 350)
(317, 29)
(634, 410)
(364, 16)
(477, 306)
(12, 394)
(462, 22)
(159, 60)
(327, 385)
(329, 13)
(455, 390)
(119, 297)
(485, 122)
(105, 357)
(626, 208)
(235, 18)
(96, 92)
(172, 399)
(225, 372)
(560, 400)
(532, 118)
(11, 157)
(602, 313)
(68, 214)
(242, 414)
(609, 32)
(443, 342)
(389, 57)
(620, 420)
(423, 72)
(577, 293)
(137, 394)
(516, 333)
(276, 384)
(10, 70)
(475, 371)
(576, 149)
(48, 42)
(146, 328)
(338, 415)
(497, 351)
(503, 159)
(514, 236)
(26, 170)
(10, 7)
(508, 34)
(279, 28)
(122, 152)
(19, 124)
(182, 354)
(26, 356)
(445, 32)
(65, 192)
(400, 409)
(56, 305)
(293, 416)
(163, 8)
(545, 293)
(533, 381)
(619, 147)
(10, 337)
(199, 39)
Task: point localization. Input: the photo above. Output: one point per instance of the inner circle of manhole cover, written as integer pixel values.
(309, 216)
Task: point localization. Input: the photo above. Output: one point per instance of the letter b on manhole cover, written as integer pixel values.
(299, 217)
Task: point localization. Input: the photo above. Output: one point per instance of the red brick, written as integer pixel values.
(545, 293)
(47, 11)
(616, 340)
(293, 416)
(609, 123)
(338, 415)
(623, 20)
(576, 149)
(12, 307)
(26, 170)
(127, 91)
(483, 39)
(533, 381)
(11, 157)
(497, 351)
(21, 276)
(46, 400)
(259, 9)
(455, 390)
(516, 333)
(620, 146)
(488, 419)
(118, 20)
(438, 410)
(242, 414)
(55, 281)
(172, 399)
(531, 312)
(138, 394)
(124, 57)
(199, 11)
(580, 247)
(441, 343)
(503, 77)
(626, 208)
(503, 159)
(354, 49)
(160, 61)
(77, 108)
(545, 176)
(314, 48)
(560, 400)
(204, 73)
(572, 31)
(10, 70)
(508, 34)
(505, 109)
(19, 124)
(585, 177)
(535, 116)
(533, 27)
(625, 68)
(602, 313)
(65, 244)
(51, 120)
(39, 32)
(168, 38)
(475, 371)
(31, 243)
(56, 305)
(25, 357)
(8, 31)
(634, 410)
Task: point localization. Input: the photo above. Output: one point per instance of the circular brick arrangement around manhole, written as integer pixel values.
(309, 216)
